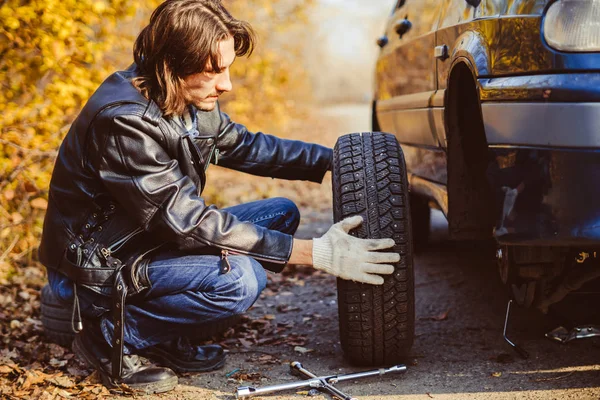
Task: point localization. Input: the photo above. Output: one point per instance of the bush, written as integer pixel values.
(54, 54)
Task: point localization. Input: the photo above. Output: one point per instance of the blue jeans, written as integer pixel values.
(188, 291)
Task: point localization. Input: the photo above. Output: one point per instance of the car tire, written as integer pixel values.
(56, 318)
(369, 179)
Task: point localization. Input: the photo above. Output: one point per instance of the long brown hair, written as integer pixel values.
(181, 39)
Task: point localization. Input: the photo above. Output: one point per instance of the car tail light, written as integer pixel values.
(573, 25)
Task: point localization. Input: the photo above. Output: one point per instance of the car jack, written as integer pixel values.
(321, 383)
(524, 354)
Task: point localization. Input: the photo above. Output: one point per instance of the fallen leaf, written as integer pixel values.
(29, 187)
(302, 350)
(283, 308)
(16, 218)
(33, 378)
(440, 317)
(56, 350)
(269, 317)
(76, 371)
(246, 343)
(39, 203)
(7, 355)
(93, 379)
(58, 363)
(64, 394)
(245, 376)
(496, 374)
(62, 381)
(5, 369)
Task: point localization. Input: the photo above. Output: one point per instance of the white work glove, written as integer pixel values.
(351, 258)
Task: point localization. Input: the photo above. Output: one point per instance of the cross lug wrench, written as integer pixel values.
(322, 383)
(297, 369)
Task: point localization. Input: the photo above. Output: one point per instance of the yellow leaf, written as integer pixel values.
(16, 218)
(9, 194)
(39, 203)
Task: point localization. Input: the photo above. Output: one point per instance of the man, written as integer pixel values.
(127, 236)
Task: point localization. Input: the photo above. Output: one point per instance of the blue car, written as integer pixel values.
(496, 104)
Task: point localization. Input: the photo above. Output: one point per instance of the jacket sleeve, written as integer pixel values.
(145, 180)
(267, 155)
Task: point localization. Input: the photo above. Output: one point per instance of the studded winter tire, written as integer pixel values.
(369, 179)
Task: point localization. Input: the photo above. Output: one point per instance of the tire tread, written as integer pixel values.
(376, 322)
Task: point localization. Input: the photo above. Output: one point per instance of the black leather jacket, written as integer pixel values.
(127, 182)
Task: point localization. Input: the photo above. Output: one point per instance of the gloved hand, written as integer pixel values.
(351, 258)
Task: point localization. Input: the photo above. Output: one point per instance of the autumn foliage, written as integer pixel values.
(53, 55)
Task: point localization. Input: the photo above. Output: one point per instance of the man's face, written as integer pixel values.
(206, 87)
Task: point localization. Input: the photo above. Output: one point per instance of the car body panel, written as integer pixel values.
(408, 68)
(530, 95)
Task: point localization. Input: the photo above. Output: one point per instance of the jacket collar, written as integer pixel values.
(117, 89)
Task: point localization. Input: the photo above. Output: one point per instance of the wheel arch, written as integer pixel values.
(469, 194)
(471, 48)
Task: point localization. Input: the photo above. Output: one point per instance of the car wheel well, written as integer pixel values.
(470, 202)
(374, 121)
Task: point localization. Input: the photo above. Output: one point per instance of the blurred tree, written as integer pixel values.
(53, 55)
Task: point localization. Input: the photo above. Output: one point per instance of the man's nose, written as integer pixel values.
(224, 84)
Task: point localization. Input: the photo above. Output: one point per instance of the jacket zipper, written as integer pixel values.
(195, 153)
(228, 252)
(214, 151)
(107, 251)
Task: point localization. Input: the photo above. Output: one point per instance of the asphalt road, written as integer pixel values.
(459, 352)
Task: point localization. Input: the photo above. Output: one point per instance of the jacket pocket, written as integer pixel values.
(119, 243)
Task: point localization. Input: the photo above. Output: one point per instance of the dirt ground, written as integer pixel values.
(459, 352)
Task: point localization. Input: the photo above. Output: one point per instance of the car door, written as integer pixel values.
(407, 80)
(406, 72)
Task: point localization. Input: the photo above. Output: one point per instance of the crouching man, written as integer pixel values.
(128, 238)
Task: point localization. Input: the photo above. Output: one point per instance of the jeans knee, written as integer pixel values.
(292, 215)
(252, 281)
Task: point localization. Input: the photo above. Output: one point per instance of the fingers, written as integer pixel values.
(350, 223)
(370, 279)
(381, 269)
(382, 258)
(379, 244)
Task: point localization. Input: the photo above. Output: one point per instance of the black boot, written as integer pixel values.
(183, 356)
(90, 346)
